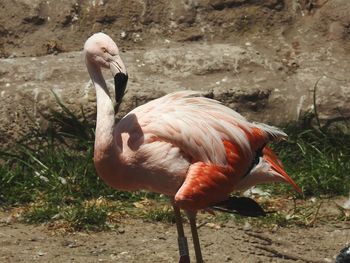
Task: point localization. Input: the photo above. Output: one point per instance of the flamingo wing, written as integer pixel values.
(199, 126)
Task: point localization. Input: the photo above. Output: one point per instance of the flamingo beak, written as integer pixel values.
(286, 178)
(292, 183)
(277, 169)
(118, 70)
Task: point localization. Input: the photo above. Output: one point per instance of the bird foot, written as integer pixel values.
(185, 259)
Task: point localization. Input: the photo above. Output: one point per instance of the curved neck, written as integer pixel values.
(104, 139)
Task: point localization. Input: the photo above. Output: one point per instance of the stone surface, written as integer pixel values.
(252, 79)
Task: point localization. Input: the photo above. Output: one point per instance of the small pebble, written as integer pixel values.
(40, 254)
(121, 231)
(123, 34)
(247, 226)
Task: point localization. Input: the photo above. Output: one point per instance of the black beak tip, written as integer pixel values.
(120, 82)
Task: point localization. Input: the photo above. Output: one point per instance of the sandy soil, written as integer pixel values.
(136, 240)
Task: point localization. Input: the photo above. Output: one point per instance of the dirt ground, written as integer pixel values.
(140, 241)
(37, 28)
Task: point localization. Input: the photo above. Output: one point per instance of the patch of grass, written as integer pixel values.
(305, 213)
(159, 214)
(275, 218)
(344, 214)
(279, 218)
(224, 217)
(76, 216)
(318, 159)
(51, 172)
(279, 212)
(40, 213)
(86, 217)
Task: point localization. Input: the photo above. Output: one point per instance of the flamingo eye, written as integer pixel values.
(104, 50)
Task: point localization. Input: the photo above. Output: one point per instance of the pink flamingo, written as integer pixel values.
(190, 148)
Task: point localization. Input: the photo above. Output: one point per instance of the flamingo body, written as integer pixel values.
(190, 148)
(186, 146)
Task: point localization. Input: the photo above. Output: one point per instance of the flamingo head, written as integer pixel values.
(268, 169)
(101, 51)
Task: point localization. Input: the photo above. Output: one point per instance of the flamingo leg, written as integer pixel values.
(195, 238)
(182, 240)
